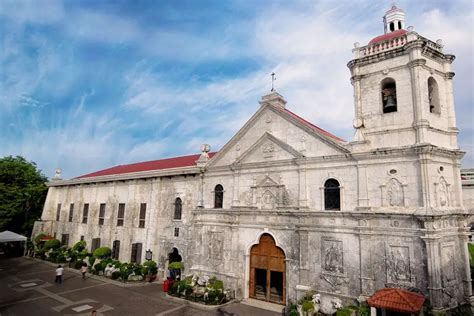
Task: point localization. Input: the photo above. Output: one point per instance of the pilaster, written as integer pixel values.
(302, 199)
(419, 121)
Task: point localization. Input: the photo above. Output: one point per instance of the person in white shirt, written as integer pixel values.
(59, 274)
(83, 271)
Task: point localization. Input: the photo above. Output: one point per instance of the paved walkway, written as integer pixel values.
(27, 288)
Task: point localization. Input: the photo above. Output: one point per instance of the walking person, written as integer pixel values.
(84, 271)
(59, 274)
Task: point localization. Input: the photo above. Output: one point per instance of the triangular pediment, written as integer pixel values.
(268, 182)
(292, 135)
(268, 148)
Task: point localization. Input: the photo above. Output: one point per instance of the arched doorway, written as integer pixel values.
(267, 271)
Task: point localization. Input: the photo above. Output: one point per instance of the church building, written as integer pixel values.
(285, 206)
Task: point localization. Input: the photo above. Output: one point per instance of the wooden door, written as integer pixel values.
(267, 271)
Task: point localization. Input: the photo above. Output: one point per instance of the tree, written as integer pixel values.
(22, 194)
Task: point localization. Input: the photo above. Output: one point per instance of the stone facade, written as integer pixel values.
(400, 220)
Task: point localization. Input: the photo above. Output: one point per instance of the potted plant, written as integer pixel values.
(151, 269)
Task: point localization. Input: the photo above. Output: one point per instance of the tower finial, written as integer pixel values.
(273, 81)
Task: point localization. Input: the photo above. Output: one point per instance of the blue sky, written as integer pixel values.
(85, 85)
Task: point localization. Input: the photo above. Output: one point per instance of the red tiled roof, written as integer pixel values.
(310, 125)
(397, 300)
(388, 36)
(168, 163)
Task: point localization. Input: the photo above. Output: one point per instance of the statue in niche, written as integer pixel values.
(268, 200)
(248, 198)
(285, 199)
(443, 193)
(398, 265)
(333, 256)
(216, 246)
(395, 193)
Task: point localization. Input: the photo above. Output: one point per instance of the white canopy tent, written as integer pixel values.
(8, 236)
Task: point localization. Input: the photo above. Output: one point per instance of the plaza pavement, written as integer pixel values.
(27, 288)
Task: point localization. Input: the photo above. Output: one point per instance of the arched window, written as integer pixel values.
(178, 207)
(392, 26)
(218, 196)
(389, 95)
(332, 196)
(433, 96)
(399, 25)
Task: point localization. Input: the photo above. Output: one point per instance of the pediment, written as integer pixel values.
(268, 148)
(292, 137)
(268, 182)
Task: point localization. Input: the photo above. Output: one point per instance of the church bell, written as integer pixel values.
(390, 106)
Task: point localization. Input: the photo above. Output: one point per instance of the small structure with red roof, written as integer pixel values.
(397, 300)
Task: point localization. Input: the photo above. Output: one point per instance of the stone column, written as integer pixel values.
(302, 197)
(355, 80)
(434, 270)
(420, 123)
(235, 188)
(363, 199)
(303, 264)
(465, 267)
(425, 180)
(201, 190)
(366, 272)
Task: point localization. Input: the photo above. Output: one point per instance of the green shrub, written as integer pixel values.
(115, 275)
(102, 252)
(38, 238)
(78, 264)
(176, 266)
(52, 244)
(91, 260)
(344, 312)
(79, 246)
(150, 267)
(363, 311)
(218, 285)
(308, 306)
(470, 248)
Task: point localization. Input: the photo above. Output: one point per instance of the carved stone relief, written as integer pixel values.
(394, 193)
(268, 200)
(443, 193)
(268, 149)
(216, 246)
(332, 264)
(267, 194)
(448, 278)
(332, 256)
(398, 264)
(447, 263)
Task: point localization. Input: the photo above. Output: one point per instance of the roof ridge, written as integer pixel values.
(314, 126)
(166, 163)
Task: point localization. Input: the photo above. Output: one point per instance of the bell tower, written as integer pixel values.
(403, 91)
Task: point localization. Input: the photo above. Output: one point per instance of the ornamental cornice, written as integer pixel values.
(416, 62)
(449, 75)
(127, 176)
(377, 57)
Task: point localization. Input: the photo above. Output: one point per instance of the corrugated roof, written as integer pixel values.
(167, 163)
(397, 300)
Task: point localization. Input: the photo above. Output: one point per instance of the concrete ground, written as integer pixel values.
(27, 288)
